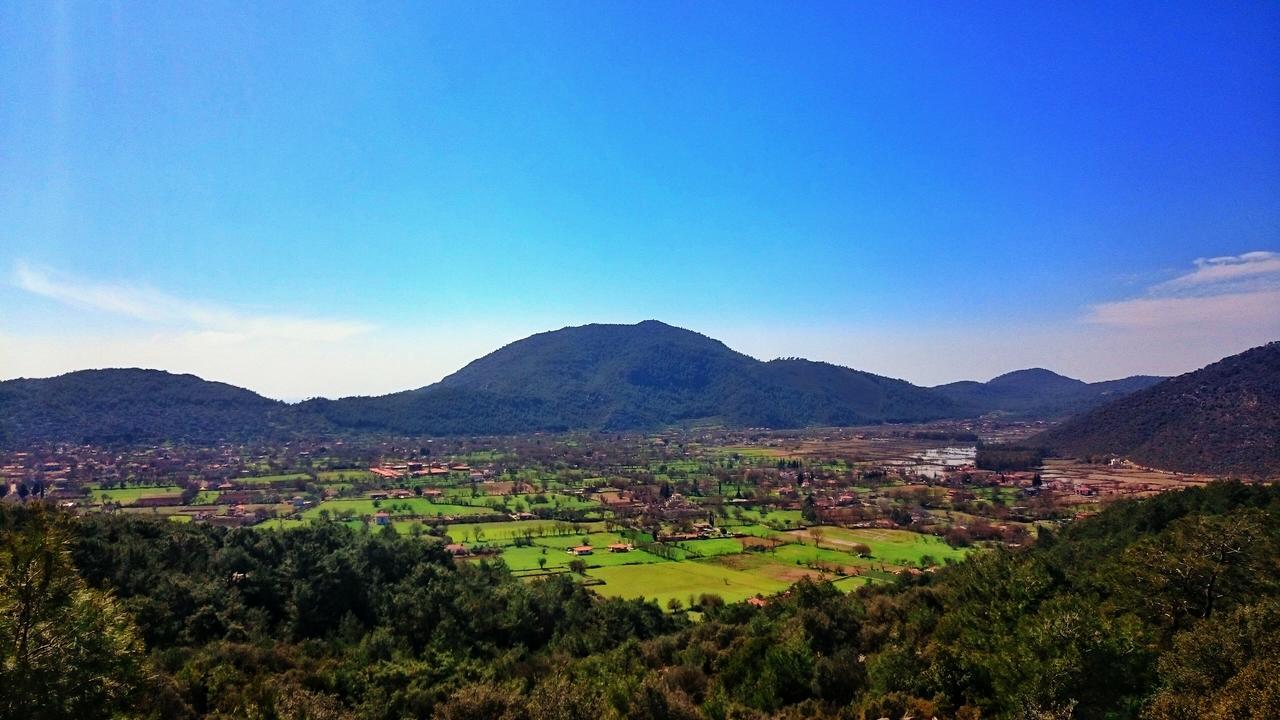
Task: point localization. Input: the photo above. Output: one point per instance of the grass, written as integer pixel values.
(894, 547)
(130, 495)
(350, 476)
(267, 479)
(711, 548)
(679, 580)
(524, 559)
(504, 532)
(206, 497)
(751, 452)
(411, 506)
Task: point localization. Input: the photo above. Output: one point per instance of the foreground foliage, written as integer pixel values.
(1163, 609)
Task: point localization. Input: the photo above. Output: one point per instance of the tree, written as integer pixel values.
(810, 510)
(578, 566)
(66, 650)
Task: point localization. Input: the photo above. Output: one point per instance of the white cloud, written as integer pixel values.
(1225, 274)
(153, 306)
(1222, 292)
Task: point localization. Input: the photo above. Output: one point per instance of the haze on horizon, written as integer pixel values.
(338, 200)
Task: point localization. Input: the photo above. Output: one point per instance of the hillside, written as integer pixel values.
(618, 377)
(1161, 609)
(608, 377)
(1039, 393)
(135, 406)
(1223, 418)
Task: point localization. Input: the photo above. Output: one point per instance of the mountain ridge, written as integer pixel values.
(598, 376)
(1222, 418)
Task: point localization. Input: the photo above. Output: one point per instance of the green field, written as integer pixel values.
(783, 518)
(347, 476)
(129, 495)
(894, 547)
(663, 581)
(711, 548)
(502, 533)
(526, 558)
(409, 506)
(266, 479)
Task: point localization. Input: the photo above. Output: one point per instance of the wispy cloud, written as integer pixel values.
(1221, 275)
(1236, 290)
(154, 306)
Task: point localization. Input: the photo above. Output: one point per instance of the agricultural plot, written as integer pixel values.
(525, 559)
(752, 516)
(504, 532)
(269, 479)
(345, 476)
(679, 580)
(130, 495)
(409, 506)
(893, 547)
(711, 548)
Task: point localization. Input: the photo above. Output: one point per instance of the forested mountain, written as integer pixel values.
(611, 377)
(1160, 609)
(136, 406)
(1223, 418)
(1040, 393)
(633, 376)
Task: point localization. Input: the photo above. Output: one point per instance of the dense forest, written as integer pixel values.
(1166, 608)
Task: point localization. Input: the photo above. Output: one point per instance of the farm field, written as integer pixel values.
(268, 479)
(503, 532)
(130, 495)
(409, 506)
(345, 476)
(522, 559)
(747, 577)
(894, 547)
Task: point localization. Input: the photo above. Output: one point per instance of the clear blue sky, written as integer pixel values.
(863, 183)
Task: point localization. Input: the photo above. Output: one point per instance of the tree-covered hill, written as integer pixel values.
(1159, 609)
(1223, 419)
(618, 377)
(1039, 393)
(134, 406)
(608, 377)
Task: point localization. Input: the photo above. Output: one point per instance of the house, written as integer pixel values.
(757, 601)
(456, 549)
(382, 517)
(581, 550)
(620, 547)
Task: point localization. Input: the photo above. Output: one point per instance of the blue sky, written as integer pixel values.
(329, 199)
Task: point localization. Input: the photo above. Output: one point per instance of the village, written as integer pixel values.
(671, 515)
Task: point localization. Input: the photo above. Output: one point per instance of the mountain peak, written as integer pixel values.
(1037, 375)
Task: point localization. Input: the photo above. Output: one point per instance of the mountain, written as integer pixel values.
(617, 377)
(609, 377)
(1038, 393)
(1221, 419)
(135, 406)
